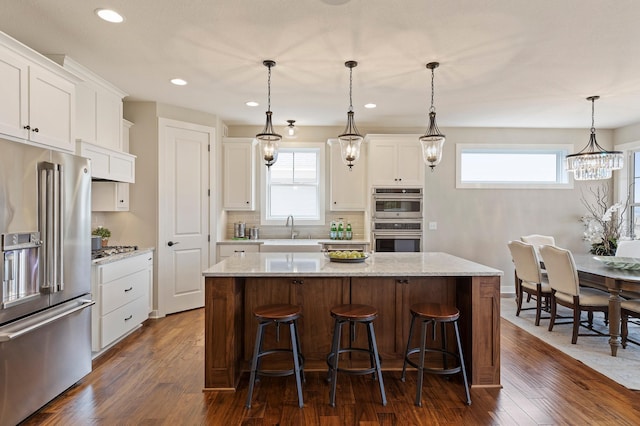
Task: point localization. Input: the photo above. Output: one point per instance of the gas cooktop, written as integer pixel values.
(111, 250)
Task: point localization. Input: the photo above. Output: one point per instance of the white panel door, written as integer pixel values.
(183, 248)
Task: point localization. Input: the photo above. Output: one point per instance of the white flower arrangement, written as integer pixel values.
(603, 223)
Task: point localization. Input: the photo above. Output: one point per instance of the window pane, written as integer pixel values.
(305, 167)
(282, 170)
(509, 167)
(299, 200)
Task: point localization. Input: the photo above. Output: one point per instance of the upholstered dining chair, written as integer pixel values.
(528, 276)
(566, 290)
(628, 248)
(628, 308)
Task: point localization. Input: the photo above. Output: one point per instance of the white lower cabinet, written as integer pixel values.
(121, 291)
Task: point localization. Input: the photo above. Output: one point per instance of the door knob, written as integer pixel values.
(171, 243)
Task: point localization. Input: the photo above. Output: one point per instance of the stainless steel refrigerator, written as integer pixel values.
(45, 232)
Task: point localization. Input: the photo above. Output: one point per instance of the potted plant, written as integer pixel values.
(104, 233)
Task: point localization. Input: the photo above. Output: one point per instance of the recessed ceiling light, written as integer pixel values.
(370, 106)
(178, 82)
(251, 103)
(109, 15)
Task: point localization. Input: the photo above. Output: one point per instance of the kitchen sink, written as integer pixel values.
(290, 245)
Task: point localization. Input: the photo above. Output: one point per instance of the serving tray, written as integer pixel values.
(616, 262)
(340, 260)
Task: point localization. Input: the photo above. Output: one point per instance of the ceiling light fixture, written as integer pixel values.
(251, 103)
(594, 162)
(350, 139)
(432, 141)
(292, 130)
(268, 137)
(369, 106)
(178, 82)
(109, 15)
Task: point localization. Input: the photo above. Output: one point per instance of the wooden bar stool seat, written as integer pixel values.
(354, 314)
(277, 314)
(434, 314)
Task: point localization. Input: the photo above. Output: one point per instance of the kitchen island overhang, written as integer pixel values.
(389, 281)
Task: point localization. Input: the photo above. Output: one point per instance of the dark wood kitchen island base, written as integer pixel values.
(389, 281)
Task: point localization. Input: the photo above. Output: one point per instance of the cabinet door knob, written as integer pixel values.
(27, 127)
(129, 317)
(171, 243)
(127, 290)
(36, 130)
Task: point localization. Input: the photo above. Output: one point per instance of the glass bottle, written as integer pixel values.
(348, 234)
(334, 231)
(340, 230)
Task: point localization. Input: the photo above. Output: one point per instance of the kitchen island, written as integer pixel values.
(391, 282)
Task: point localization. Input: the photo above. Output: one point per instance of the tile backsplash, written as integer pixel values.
(357, 220)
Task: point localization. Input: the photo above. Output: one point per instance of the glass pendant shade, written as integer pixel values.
(268, 137)
(350, 139)
(432, 141)
(291, 131)
(594, 162)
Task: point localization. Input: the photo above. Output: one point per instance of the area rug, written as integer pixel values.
(594, 352)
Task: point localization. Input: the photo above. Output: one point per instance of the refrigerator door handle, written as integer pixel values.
(14, 334)
(51, 217)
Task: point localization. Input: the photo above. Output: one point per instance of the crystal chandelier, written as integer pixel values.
(432, 141)
(350, 139)
(268, 137)
(594, 162)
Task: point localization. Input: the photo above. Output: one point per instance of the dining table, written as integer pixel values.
(620, 283)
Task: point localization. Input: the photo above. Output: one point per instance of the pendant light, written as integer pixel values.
(268, 137)
(432, 141)
(594, 162)
(350, 139)
(291, 131)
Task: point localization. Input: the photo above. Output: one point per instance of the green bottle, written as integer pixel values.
(334, 231)
(348, 233)
(340, 231)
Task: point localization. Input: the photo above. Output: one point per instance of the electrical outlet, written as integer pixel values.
(433, 226)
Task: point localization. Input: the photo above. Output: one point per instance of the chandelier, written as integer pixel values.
(268, 137)
(350, 139)
(594, 162)
(432, 141)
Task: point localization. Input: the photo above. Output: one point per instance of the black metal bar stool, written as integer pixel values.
(277, 314)
(434, 314)
(354, 314)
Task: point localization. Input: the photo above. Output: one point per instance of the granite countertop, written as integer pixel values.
(378, 264)
(120, 256)
(292, 242)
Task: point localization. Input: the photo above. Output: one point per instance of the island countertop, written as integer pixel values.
(377, 264)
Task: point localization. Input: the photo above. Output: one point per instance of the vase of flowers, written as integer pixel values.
(603, 221)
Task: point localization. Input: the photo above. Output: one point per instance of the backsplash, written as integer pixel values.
(357, 220)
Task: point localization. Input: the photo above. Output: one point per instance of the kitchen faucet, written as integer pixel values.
(287, 224)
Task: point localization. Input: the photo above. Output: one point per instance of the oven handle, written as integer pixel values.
(399, 236)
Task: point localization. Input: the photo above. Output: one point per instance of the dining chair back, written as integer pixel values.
(561, 270)
(628, 248)
(538, 240)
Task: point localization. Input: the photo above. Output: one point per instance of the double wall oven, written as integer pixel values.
(397, 219)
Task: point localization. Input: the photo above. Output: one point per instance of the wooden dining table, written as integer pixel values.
(618, 282)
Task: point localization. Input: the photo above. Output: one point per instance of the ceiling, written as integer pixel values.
(503, 63)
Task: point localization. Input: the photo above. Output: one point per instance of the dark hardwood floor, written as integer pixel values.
(155, 377)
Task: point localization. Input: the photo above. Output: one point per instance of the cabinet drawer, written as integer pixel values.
(122, 320)
(119, 292)
(227, 250)
(122, 268)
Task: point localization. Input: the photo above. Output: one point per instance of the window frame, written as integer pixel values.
(564, 179)
(319, 147)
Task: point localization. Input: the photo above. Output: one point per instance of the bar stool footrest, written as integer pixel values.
(441, 371)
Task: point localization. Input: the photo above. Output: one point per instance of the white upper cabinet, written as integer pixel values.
(37, 97)
(99, 107)
(107, 163)
(239, 164)
(395, 160)
(348, 187)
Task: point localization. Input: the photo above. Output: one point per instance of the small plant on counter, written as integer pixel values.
(102, 232)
